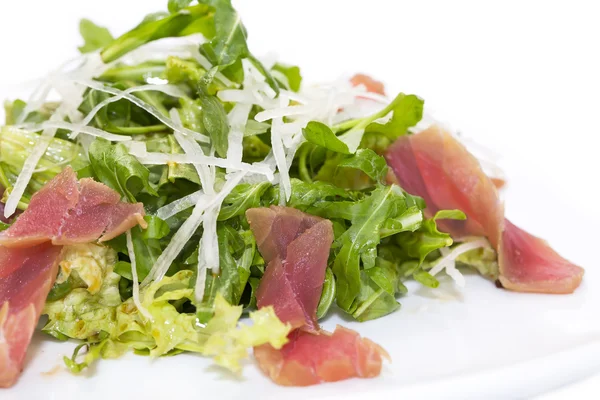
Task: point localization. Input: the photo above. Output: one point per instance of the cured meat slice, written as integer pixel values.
(434, 165)
(296, 247)
(310, 359)
(26, 277)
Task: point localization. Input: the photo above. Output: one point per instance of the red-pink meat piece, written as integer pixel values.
(434, 165)
(309, 359)
(529, 264)
(46, 212)
(67, 212)
(26, 277)
(295, 247)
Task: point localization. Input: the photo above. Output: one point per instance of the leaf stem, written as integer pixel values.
(360, 123)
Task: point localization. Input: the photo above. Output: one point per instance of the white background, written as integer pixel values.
(518, 76)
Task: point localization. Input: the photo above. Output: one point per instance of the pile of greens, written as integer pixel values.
(382, 238)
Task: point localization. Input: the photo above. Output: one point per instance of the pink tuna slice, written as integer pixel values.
(62, 212)
(529, 264)
(67, 212)
(434, 165)
(45, 214)
(295, 247)
(26, 277)
(310, 359)
(98, 215)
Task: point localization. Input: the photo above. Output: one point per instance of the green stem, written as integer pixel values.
(361, 123)
(4, 179)
(139, 73)
(302, 168)
(137, 130)
(149, 98)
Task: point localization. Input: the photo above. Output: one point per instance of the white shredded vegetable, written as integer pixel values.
(238, 117)
(145, 106)
(183, 203)
(448, 259)
(171, 90)
(164, 158)
(186, 231)
(30, 164)
(192, 148)
(90, 130)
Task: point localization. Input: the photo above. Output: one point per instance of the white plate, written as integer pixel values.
(477, 343)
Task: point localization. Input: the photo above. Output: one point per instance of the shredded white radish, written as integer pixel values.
(208, 250)
(186, 231)
(192, 148)
(238, 117)
(201, 273)
(90, 130)
(170, 90)
(183, 203)
(134, 276)
(30, 164)
(145, 106)
(164, 158)
(281, 160)
(448, 259)
(282, 112)
(181, 237)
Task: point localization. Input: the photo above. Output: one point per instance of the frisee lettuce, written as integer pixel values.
(111, 327)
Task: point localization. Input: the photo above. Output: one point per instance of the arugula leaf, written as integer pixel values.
(407, 112)
(214, 116)
(327, 294)
(177, 5)
(322, 135)
(229, 43)
(157, 228)
(233, 274)
(424, 241)
(409, 221)
(374, 301)
(95, 37)
(359, 242)
(426, 279)
(241, 198)
(367, 161)
(306, 195)
(116, 168)
(288, 75)
(189, 20)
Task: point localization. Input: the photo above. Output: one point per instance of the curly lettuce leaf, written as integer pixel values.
(111, 329)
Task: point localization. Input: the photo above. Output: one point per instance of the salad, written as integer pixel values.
(168, 191)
